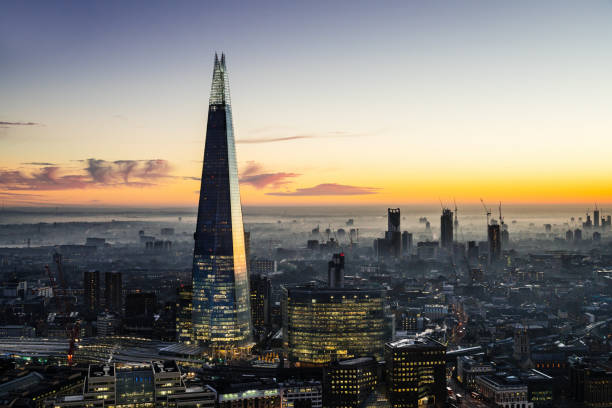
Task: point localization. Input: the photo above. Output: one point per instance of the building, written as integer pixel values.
(446, 229)
(596, 218)
(261, 394)
(577, 234)
(113, 292)
(506, 391)
(335, 271)
(221, 311)
(260, 266)
(91, 291)
(469, 368)
(349, 383)
(107, 324)
(393, 236)
(406, 243)
(494, 240)
(133, 385)
(301, 394)
(322, 324)
(591, 382)
(435, 312)
(415, 373)
(14, 330)
(261, 296)
(184, 309)
(140, 304)
(569, 235)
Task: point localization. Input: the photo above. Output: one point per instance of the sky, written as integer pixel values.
(334, 103)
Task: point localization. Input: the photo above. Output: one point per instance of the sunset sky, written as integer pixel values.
(104, 103)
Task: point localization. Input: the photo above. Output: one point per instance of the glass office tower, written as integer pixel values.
(221, 312)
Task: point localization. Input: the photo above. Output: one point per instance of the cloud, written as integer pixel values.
(339, 133)
(253, 175)
(96, 173)
(38, 164)
(328, 189)
(191, 178)
(7, 124)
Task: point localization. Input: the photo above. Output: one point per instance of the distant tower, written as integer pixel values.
(569, 235)
(596, 217)
(494, 238)
(393, 236)
(335, 271)
(406, 242)
(221, 311)
(577, 234)
(446, 229)
(91, 291)
(113, 292)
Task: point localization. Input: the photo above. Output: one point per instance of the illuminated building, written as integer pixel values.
(249, 395)
(494, 239)
(138, 385)
(446, 229)
(260, 266)
(322, 324)
(348, 383)
(415, 373)
(591, 382)
(221, 312)
(504, 391)
(301, 394)
(261, 293)
(469, 368)
(184, 308)
(113, 292)
(91, 291)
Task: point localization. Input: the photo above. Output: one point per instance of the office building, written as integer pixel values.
(184, 309)
(446, 229)
(494, 240)
(140, 304)
(415, 373)
(260, 394)
(591, 382)
(301, 394)
(596, 218)
(260, 266)
(221, 312)
(261, 296)
(471, 367)
(393, 236)
(506, 391)
(132, 385)
(569, 235)
(577, 234)
(322, 324)
(91, 291)
(113, 292)
(335, 271)
(349, 383)
(406, 243)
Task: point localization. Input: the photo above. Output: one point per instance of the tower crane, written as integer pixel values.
(501, 219)
(488, 211)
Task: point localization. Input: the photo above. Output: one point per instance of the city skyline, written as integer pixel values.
(396, 105)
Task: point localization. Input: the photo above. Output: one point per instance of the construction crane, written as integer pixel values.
(60, 291)
(488, 211)
(501, 219)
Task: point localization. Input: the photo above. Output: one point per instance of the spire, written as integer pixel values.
(219, 91)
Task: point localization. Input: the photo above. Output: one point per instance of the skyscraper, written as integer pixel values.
(446, 229)
(494, 238)
(221, 311)
(91, 291)
(393, 234)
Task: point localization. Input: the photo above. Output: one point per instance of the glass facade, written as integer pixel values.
(221, 312)
(321, 325)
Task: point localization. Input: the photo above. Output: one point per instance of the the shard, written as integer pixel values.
(221, 310)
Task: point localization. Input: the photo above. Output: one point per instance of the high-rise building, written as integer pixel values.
(569, 235)
(393, 236)
(577, 234)
(91, 291)
(596, 218)
(322, 324)
(393, 219)
(261, 294)
(446, 229)
(184, 309)
(335, 271)
(221, 312)
(113, 292)
(494, 239)
(140, 304)
(416, 373)
(348, 383)
(406, 243)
